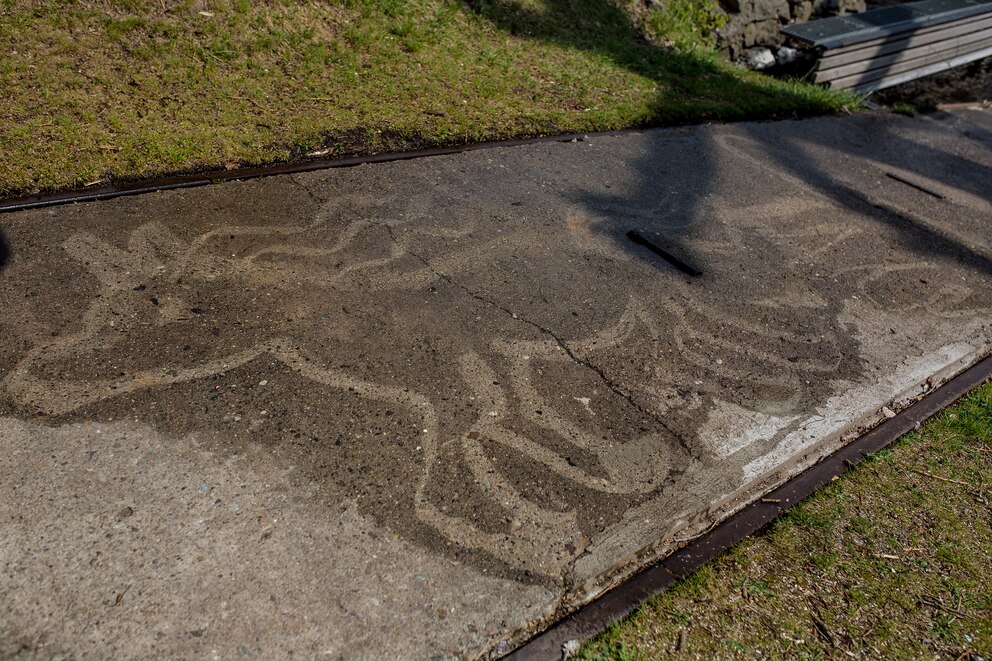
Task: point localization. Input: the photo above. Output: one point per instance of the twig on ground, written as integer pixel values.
(821, 627)
(251, 101)
(120, 595)
(944, 479)
(936, 604)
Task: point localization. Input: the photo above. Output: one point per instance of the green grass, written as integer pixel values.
(892, 561)
(905, 109)
(103, 89)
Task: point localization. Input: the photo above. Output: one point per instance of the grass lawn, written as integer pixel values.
(104, 89)
(891, 561)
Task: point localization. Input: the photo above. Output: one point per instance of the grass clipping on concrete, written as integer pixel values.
(892, 561)
(97, 90)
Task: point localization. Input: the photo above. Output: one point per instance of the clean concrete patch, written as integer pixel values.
(422, 408)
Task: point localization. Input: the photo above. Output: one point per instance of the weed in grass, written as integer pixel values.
(619, 652)
(735, 646)
(678, 617)
(687, 24)
(905, 109)
(861, 525)
(756, 588)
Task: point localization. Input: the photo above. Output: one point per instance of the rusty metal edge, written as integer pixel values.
(622, 600)
(217, 176)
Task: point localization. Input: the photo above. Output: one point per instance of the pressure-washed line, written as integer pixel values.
(625, 598)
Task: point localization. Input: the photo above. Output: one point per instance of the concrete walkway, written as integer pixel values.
(420, 409)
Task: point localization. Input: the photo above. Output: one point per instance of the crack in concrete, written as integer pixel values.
(564, 601)
(607, 381)
(313, 196)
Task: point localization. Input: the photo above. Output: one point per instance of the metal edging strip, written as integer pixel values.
(192, 180)
(622, 600)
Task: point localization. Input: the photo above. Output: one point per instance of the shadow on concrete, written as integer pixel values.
(694, 85)
(4, 251)
(927, 162)
(950, 170)
(675, 216)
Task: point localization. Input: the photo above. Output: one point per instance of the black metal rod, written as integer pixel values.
(641, 240)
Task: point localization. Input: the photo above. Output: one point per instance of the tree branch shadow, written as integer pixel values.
(4, 251)
(696, 86)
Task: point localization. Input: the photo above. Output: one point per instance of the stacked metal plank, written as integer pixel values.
(884, 47)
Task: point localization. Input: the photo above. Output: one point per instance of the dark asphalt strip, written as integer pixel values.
(622, 600)
(202, 179)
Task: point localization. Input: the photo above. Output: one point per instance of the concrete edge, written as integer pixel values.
(751, 509)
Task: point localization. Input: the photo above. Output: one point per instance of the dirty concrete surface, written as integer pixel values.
(420, 409)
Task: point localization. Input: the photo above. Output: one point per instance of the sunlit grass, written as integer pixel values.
(102, 89)
(892, 561)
